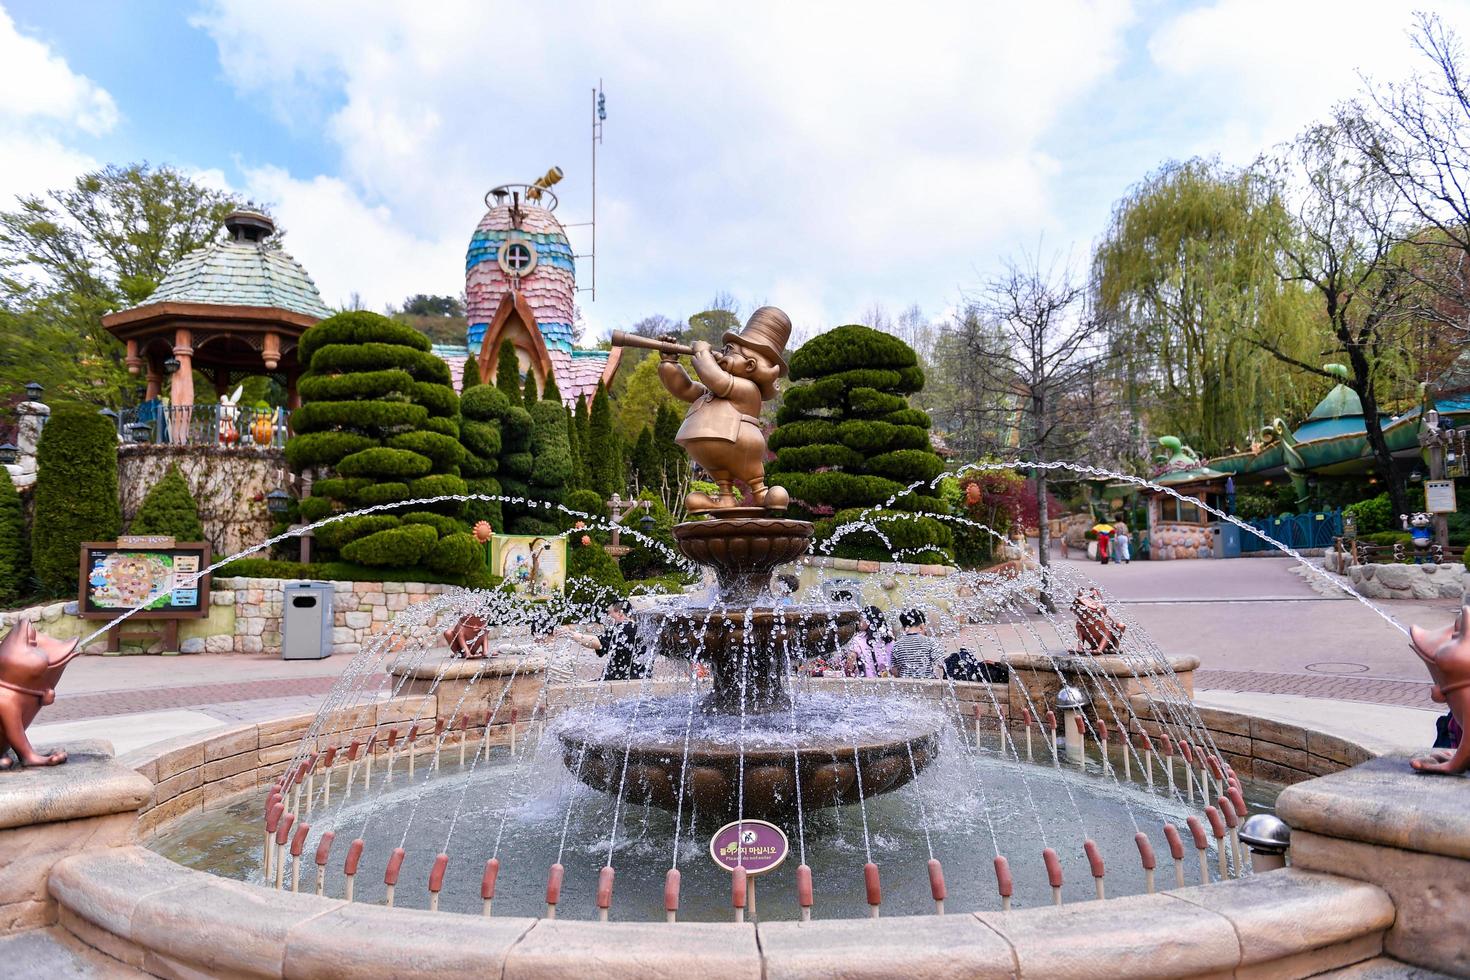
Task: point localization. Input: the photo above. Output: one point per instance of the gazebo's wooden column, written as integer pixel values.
(155, 379)
(181, 387)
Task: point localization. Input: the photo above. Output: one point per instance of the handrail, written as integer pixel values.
(225, 427)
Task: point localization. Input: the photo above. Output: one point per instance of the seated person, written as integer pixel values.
(625, 661)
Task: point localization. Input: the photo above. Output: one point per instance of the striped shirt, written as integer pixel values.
(914, 655)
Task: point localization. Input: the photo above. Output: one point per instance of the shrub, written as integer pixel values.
(341, 488)
(918, 537)
(345, 387)
(360, 358)
(847, 439)
(443, 451)
(484, 403)
(15, 562)
(366, 417)
(358, 327)
(508, 371)
(602, 464)
(443, 525)
(587, 502)
(1375, 514)
(338, 533)
(313, 509)
(551, 468)
(341, 571)
(381, 493)
(443, 426)
(593, 576)
(469, 375)
(439, 399)
(457, 554)
(75, 492)
(481, 440)
(169, 508)
(324, 448)
(644, 559)
(398, 546)
(382, 462)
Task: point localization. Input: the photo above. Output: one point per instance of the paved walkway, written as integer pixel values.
(1259, 630)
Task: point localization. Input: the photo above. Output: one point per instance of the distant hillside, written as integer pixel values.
(439, 329)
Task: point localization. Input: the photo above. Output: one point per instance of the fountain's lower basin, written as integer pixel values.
(823, 751)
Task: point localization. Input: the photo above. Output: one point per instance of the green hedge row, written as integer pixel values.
(375, 417)
(380, 462)
(442, 450)
(399, 546)
(345, 387)
(359, 327)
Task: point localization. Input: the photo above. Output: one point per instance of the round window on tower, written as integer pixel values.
(517, 257)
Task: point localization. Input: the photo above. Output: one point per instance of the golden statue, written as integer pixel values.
(722, 430)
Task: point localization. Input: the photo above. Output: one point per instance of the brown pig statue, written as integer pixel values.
(466, 638)
(1446, 654)
(30, 665)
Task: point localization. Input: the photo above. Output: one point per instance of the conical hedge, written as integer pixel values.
(846, 439)
(169, 508)
(383, 418)
(76, 493)
(15, 559)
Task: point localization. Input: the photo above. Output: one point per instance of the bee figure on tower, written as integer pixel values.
(722, 430)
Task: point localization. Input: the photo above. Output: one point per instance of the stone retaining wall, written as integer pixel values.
(1395, 581)
(245, 616)
(228, 484)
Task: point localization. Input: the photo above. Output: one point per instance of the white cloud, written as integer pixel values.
(43, 106)
(848, 147)
(1256, 72)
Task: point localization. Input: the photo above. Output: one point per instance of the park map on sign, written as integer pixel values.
(123, 579)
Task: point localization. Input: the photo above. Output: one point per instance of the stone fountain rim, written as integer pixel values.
(461, 669)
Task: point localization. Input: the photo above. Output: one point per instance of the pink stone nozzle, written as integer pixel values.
(487, 881)
(605, 887)
(1003, 877)
(1227, 810)
(553, 884)
(352, 751)
(873, 885)
(1094, 858)
(804, 886)
(1168, 744)
(273, 816)
(464, 722)
(330, 757)
(298, 840)
(975, 709)
(438, 727)
(671, 890)
(1051, 720)
(1217, 823)
(1102, 730)
(395, 865)
(1053, 867)
(324, 848)
(1176, 843)
(1214, 763)
(1148, 743)
(512, 714)
(1237, 798)
(1197, 831)
(283, 829)
(436, 873)
(1188, 751)
(1081, 724)
(354, 855)
(737, 887)
(936, 879)
(1146, 851)
(413, 732)
(392, 738)
(1026, 716)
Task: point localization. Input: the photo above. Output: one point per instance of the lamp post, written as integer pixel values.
(1435, 441)
(9, 452)
(621, 510)
(33, 391)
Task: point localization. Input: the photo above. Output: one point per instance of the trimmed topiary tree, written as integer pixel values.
(551, 468)
(648, 466)
(603, 463)
(481, 409)
(581, 439)
(15, 559)
(469, 375)
(846, 440)
(169, 508)
(76, 493)
(381, 414)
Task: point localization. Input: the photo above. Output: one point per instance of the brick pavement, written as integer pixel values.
(77, 707)
(1411, 694)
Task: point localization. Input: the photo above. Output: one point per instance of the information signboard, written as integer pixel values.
(157, 573)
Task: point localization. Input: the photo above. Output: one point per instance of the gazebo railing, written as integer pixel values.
(156, 423)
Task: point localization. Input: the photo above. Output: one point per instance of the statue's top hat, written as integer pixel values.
(766, 331)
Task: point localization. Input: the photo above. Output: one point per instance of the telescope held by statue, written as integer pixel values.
(621, 339)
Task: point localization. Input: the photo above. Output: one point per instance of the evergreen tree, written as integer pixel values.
(470, 376)
(482, 409)
(15, 562)
(551, 468)
(579, 458)
(671, 455)
(647, 466)
(582, 426)
(76, 493)
(381, 414)
(169, 509)
(847, 439)
(603, 460)
(508, 370)
(530, 396)
(551, 393)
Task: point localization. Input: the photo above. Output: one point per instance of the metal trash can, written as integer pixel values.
(306, 621)
(1227, 540)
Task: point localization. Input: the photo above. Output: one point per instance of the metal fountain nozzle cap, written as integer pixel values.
(1071, 698)
(1267, 833)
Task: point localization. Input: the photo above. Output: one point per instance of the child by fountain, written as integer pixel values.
(1121, 544)
(914, 653)
(871, 647)
(620, 645)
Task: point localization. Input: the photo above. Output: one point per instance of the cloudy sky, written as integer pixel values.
(822, 156)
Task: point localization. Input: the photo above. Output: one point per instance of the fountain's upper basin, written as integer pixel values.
(827, 748)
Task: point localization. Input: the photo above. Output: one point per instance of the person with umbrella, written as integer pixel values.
(1103, 530)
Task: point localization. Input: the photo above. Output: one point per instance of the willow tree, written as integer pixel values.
(1184, 276)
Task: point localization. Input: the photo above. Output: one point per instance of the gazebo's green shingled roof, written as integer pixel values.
(232, 273)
